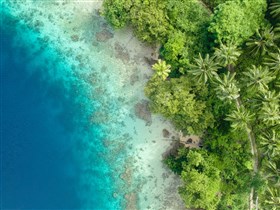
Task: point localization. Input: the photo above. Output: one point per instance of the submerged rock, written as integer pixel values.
(75, 38)
(131, 201)
(104, 35)
(121, 52)
(143, 112)
(165, 133)
(134, 78)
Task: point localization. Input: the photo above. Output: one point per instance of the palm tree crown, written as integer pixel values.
(262, 41)
(266, 97)
(162, 69)
(273, 61)
(257, 78)
(240, 118)
(227, 88)
(270, 113)
(275, 9)
(270, 142)
(272, 198)
(272, 171)
(204, 69)
(227, 55)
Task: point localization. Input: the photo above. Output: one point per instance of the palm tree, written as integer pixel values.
(227, 55)
(204, 69)
(270, 142)
(162, 69)
(275, 9)
(272, 198)
(273, 61)
(240, 118)
(227, 89)
(262, 41)
(270, 113)
(272, 172)
(265, 97)
(257, 79)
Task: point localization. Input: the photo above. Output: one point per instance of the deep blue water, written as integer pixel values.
(36, 148)
(47, 162)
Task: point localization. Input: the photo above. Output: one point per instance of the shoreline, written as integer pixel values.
(149, 181)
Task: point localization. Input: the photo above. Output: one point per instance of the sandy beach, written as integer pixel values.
(142, 137)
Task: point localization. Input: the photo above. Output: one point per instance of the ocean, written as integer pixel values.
(52, 144)
(76, 129)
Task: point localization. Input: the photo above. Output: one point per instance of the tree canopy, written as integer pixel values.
(218, 77)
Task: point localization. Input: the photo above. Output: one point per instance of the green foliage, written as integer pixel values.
(272, 198)
(257, 79)
(178, 101)
(273, 62)
(162, 69)
(270, 97)
(270, 143)
(262, 42)
(180, 26)
(221, 174)
(190, 19)
(240, 118)
(149, 19)
(227, 88)
(202, 181)
(270, 114)
(271, 171)
(227, 55)
(235, 21)
(211, 4)
(174, 50)
(275, 9)
(204, 68)
(115, 11)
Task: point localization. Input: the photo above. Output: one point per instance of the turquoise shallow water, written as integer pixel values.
(54, 154)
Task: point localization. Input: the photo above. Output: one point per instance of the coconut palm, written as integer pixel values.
(265, 97)
(262, 41)
(277, 81)
(270, 113)
(272, 172)
(204, 68)
(240, 118)
(273, 61)
(162, 69)
(226, 88)
(227, 55)
(257, 78)
(270, 143)
(272, 198)
(275, 9)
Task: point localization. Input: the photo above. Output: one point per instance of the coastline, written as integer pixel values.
(148, 184)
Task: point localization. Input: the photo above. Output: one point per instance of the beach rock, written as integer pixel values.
(126, 176)
(75, 38)
(165, 133)
(122, 53)
(134, 78)
(143, 112)
(104, 35)
(131, 201)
